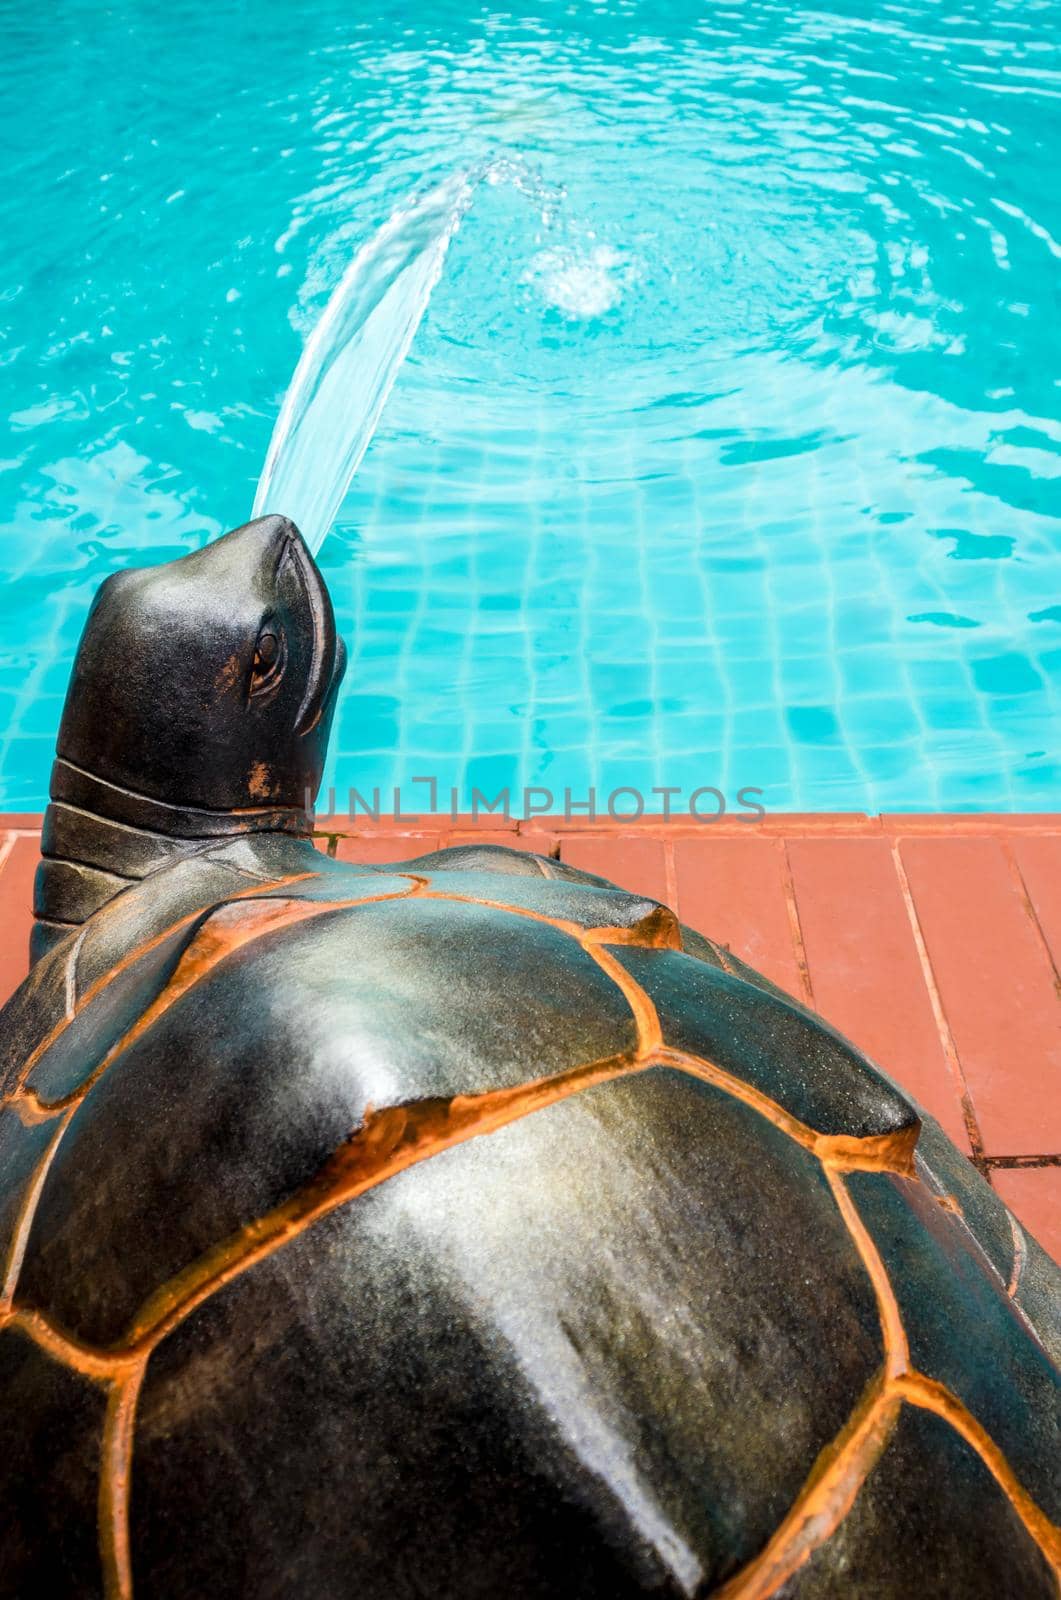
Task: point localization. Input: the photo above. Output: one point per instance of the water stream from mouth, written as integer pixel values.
(351, 360)
(348, 367)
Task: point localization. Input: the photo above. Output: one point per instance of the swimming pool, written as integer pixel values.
(728, 453)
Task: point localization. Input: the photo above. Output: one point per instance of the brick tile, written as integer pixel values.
(481, 822)
(865, 972)
(793, 823)
(996, 986)
(1034, 1195)
(362, 824)
(16, 910)
(493, 836)
(1038, 859)
(369, 850)
(952, 824)
(734, 891)
(602, 824)
(736, 824)
(633, 861)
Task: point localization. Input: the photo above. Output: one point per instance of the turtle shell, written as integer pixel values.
(468, 1227)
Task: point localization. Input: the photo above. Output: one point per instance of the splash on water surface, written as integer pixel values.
(579, 283)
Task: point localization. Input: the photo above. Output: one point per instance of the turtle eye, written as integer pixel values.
(269, 654)
(267, 651)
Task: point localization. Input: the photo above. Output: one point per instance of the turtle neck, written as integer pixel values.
(97, 840)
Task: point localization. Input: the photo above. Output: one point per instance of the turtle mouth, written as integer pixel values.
(338, 671)
(328, 658)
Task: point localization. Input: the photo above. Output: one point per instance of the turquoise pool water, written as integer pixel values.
(728, 453)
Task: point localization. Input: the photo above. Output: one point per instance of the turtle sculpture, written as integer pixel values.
(464, 1227)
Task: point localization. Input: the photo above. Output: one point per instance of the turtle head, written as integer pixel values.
(206, 684)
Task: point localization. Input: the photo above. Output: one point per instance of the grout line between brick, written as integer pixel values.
(670, 871)
(1021, 1163)
(946, 1038)
(1029, 906)
(795, 926)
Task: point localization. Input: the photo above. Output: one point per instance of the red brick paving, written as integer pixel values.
(638, 863)
(997, 986)
(19, 854)
(1034, 1193)
(741, 887)
(932, 941)
(1038, 861)
(865, 968)
(382, 848)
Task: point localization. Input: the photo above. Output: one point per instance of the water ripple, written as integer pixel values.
(753, 411)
